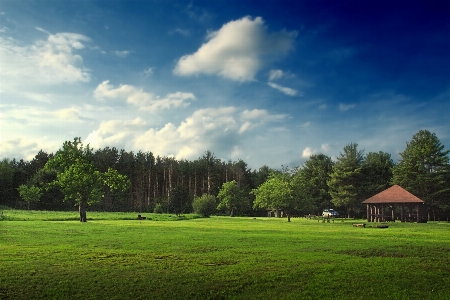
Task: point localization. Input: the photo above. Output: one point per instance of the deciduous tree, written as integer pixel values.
(79, 180)
(29, 193)
(231, 197)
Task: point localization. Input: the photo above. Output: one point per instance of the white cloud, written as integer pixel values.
(275, 74)
(323, 106)
(121, 53)
(344, 107)
(45, 62)
(254, 114)
(217, 129)
(68, 114)
(285, 90)
(143, 100)
(236, 51)
(307, 152)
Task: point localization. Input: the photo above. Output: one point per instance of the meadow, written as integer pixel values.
(51, 255)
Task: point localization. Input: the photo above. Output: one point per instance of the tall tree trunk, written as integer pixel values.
(149, 187)
(82, 210)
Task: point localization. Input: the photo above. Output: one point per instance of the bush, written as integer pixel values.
(205, 205)
(159, 209)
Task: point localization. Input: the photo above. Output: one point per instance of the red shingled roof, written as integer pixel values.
(394, 194)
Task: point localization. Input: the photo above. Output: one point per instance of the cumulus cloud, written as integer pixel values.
(209, 128)
(307, 152)
(143, 100)
(51, 61)
(236, 51)
(344, 107)
(285, 90)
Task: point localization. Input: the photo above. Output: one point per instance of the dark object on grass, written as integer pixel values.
(360, 225)
(141, 217)
(382, 226)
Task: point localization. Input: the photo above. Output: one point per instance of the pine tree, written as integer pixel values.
(345, 182)
(424, 171)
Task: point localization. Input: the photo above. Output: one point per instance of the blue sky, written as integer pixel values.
(269, 82)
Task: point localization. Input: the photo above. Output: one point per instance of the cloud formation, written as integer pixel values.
(49, 62)
(143, 100)
(218, 129)
(236, 51)
(285, 90)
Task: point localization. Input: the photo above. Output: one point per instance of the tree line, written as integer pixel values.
(112, 180)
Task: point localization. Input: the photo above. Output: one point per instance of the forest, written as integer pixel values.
(109, 179)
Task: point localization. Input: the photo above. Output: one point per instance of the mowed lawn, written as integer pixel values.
(46, 255)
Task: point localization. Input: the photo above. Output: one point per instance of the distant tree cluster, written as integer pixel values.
(112, 180)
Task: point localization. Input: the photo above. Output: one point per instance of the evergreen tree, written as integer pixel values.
(377, 173)
(424, 171)
(345, 180)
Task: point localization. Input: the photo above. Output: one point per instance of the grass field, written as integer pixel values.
(50, 255)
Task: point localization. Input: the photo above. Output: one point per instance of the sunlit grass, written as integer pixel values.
(220, 258)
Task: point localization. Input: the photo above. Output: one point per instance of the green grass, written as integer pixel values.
(111, 257)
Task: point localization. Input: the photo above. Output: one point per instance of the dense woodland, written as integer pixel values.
(116, 180)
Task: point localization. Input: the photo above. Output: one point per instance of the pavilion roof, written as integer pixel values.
(394, 194)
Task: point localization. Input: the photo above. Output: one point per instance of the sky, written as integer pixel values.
(268, 82)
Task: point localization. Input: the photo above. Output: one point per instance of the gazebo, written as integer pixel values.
(380, 208)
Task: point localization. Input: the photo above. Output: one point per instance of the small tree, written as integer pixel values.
(204, 205)
(79, 180)
(29, 193)
(276, 193)
(82, 183)
(231, 197)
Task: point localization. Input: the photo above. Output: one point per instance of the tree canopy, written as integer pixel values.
(424, 170)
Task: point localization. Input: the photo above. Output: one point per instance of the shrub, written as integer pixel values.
(204, 205)
(159, 209)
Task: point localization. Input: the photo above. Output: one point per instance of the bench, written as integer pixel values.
(359, 225)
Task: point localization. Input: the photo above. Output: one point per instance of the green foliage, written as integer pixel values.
(376, 171)
(424, 170)
(81, 182)
(276, 193)
(6, 182)
(345, 184)
(205, 205)
(159, 208)
(231, 197)
(29, 193)
(180, 201)
(311, 181)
